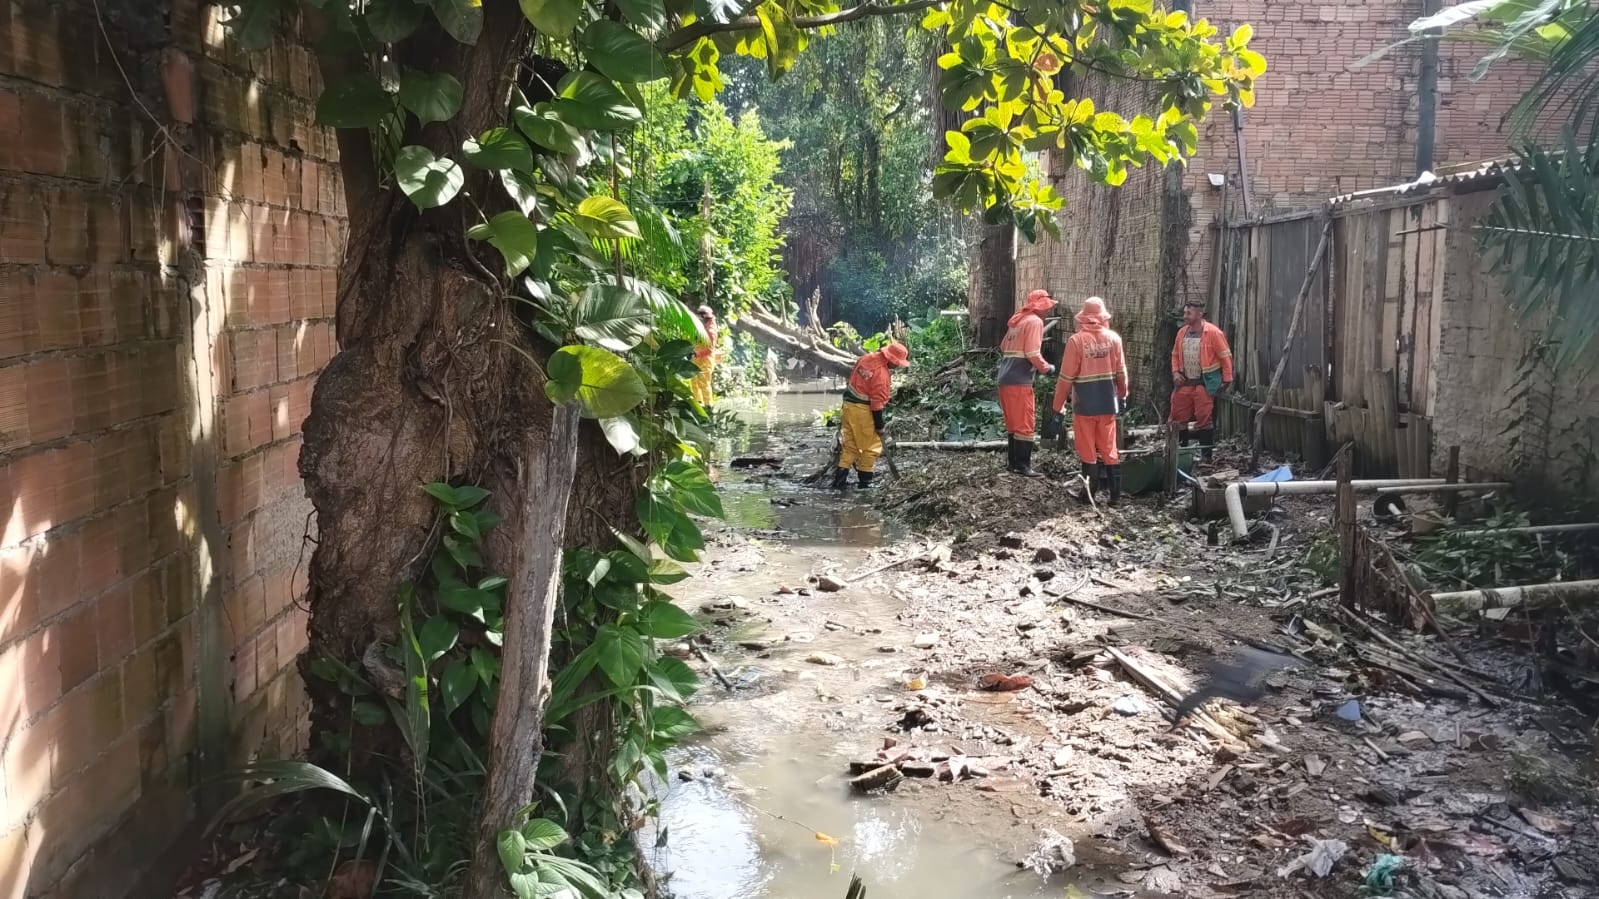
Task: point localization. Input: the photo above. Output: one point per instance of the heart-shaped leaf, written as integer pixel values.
(462, 19)
(543, 126)
(590, 101)
(393, 20)
(499, 148)
(601, 381)
(429, 182)
(647, 14)
(555, 18)
(621, 434)
(434, 97)
(513, 235)
(622, 54)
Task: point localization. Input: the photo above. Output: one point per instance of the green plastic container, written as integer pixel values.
(1145, 470)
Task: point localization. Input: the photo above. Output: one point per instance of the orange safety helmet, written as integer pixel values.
(897, 355)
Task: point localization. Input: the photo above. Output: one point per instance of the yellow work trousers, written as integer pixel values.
(701, 384)
(862, 443)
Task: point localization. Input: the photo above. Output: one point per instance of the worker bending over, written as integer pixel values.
(861, 418)
(705, 358)
(1093, 381)
(1021, 355)
(1201, 367)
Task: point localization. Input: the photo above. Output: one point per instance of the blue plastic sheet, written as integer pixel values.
(1279, 474)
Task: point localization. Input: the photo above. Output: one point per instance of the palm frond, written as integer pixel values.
(1542, 237)
(1569, 81)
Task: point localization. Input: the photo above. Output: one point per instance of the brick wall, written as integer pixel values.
(1483, 381)
(1318, 129)
(169, 227)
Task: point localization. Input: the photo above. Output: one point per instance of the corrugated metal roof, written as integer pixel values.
(1452, 178)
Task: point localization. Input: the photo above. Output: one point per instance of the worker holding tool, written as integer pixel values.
(861, 419)
(705, 357)
(1021, 355)
(1201, 367)
(1093, 381)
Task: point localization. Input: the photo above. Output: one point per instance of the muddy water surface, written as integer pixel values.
(745, 802)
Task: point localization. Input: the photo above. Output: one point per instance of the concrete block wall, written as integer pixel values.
(1482, 375)
(1318, 129)
(169, 231)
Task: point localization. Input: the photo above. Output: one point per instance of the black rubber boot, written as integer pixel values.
(1024, 459)
(1102, 480)
(1011, 463)
(1207, 439)
(1184, 436)
(1115, 483)
(841, 479)
(865, 480)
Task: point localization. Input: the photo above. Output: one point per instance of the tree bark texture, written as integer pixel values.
(991, 299)
(517, 739)
(433, 382)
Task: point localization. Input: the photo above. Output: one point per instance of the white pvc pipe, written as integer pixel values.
(1236, 492)
(1535, 529)
(1445, 488)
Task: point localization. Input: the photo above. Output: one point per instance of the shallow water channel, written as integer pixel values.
(743, 805)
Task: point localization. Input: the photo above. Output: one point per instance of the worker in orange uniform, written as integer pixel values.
(861, 419)
(1093, 381)
(1201, 367)
(705, 358)
(1021, 355)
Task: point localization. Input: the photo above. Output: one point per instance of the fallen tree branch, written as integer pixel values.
(1108, 610)
(785, 340)
(1506, 597)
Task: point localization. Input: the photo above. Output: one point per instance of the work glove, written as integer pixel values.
(1054, 423)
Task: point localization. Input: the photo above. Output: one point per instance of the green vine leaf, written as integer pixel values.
(592, 102)
(457, 683)
(718, 10)
(543, 834)
(462, 19)
(512, 848)
(601, 381)
(437, 637)
(622, 54)
(429, 182)
(499, 148)
(665, 621)
(356, 100)
(672, 723)
(621, 654)
(391, 21)
(543, 126)
(649, 15)
(432, 97)
(513, 235)
(555, 18)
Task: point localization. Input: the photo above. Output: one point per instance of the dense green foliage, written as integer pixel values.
(858, 113)
(716, 176)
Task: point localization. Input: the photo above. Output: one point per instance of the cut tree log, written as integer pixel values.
(1161, 688)
(885, 778)
(770, 332)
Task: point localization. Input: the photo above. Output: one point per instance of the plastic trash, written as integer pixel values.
(1350, 711)
(1128, 705)
(1278, 475)
(1380, 876)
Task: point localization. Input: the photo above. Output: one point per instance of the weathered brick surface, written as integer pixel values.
(167, 253)
(1319, 128)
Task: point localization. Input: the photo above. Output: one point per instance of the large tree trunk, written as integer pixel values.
(434, 382)
(991, 297)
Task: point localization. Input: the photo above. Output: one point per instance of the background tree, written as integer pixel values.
(496, 343)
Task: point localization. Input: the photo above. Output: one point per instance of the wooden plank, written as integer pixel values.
(1392, 290)
(1441, 211)
(1384, 421)
(1405, 323)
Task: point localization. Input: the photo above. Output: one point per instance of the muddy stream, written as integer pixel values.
(745, 801)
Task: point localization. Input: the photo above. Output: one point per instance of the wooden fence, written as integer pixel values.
(1360, 367)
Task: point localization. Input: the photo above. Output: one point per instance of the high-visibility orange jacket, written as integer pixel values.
(1215, 357)
(1095, 367)
(870, 381)
(704, 350)
(1021, 351)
